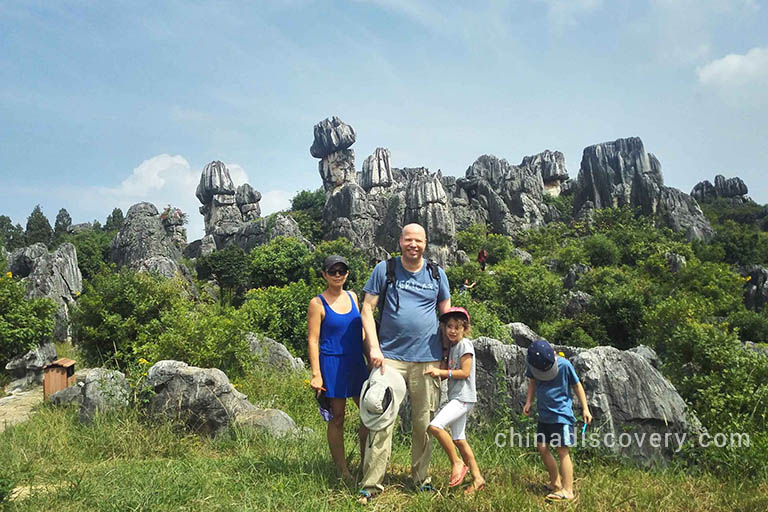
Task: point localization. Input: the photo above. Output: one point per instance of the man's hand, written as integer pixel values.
(527, 409)
(377, 359)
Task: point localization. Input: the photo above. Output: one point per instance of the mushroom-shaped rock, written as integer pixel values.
(331, 135)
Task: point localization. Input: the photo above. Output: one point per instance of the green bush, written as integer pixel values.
(204, 335)
(92, 248)
(751, 326)
(281, 261)
(584, 330)
(24, 323)
(529, 293)
(280, 313)
(570, 254)
(471, 239)
(726, 384)
(230, 269)
(484, 322)
(601, 250)
(115, 308)
(487, 287)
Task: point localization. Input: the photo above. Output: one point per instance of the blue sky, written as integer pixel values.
(108, 103)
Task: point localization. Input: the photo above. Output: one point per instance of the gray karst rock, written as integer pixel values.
(273, 354)
(377, 171)
(173, 220)
(359, 217)
(622, 173)
(733, 188)
(274, 421)
(103, 390)
(576, 303)
(551, 166)
(675, 262)
(54, 275)
(574, 274)
(337, 170)
(217, 193)
(247, 199)
(627, 395)
(426, 203)
(648, 353)
(331, 135)
(144, 244)
(755, 286)
(27, 370)
(521, 334)
(285, 225)
(512, 195)
(214, 180)
(522, 255)
(204, 399)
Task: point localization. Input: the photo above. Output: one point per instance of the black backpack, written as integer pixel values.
(432, 268)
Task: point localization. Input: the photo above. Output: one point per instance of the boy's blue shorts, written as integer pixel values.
(555, 434)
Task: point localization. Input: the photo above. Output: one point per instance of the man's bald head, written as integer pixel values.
(413, 229)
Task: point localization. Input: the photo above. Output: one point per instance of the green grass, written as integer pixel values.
(124, 461)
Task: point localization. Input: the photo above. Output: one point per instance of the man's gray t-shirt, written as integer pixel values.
(462, 389)
(410, 333)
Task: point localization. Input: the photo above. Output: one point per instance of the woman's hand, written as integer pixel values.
(377, 359)
(316, 383)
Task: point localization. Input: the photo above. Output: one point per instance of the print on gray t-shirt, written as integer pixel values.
(462, 389)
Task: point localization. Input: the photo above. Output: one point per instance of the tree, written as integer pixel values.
(307, 211)
(12, 237)
(62, 224)
(114, 220)
(38, 228)
(229, 268)
(24, 323)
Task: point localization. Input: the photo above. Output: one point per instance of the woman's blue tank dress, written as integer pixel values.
(341, 352)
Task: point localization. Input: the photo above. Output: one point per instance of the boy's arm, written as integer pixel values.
(583, 401)
(529, 398)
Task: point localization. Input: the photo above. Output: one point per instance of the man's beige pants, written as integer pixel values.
(424, 391)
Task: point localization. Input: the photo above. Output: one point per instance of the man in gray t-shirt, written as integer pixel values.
(406, 343)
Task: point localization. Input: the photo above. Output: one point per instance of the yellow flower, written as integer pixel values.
(748, 278)
(143, 361)
(9, 275)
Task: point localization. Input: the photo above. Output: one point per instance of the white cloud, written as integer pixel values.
(739, 79)
(170, 179)
(736, 70)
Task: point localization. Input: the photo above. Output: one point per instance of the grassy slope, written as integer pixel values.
(122, 462)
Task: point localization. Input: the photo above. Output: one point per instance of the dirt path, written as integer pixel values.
(17, 407)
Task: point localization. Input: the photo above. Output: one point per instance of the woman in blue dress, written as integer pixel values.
(335, 345)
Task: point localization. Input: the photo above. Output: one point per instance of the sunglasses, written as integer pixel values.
(336, 272)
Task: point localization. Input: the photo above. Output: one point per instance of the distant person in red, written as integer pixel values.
(482, 255)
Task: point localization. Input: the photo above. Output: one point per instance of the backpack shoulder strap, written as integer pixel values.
(433, 268)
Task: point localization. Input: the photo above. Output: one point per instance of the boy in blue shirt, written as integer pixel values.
(552, 378)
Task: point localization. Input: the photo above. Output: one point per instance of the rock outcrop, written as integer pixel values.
(732, 188)
(97, 391)
(622, 173)
(147, 242)
(755, 286)
(377, 171)
(27, 370)
(205, 401)
(53, 275)
(626, 393)
(333, 138)
(273, 354)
